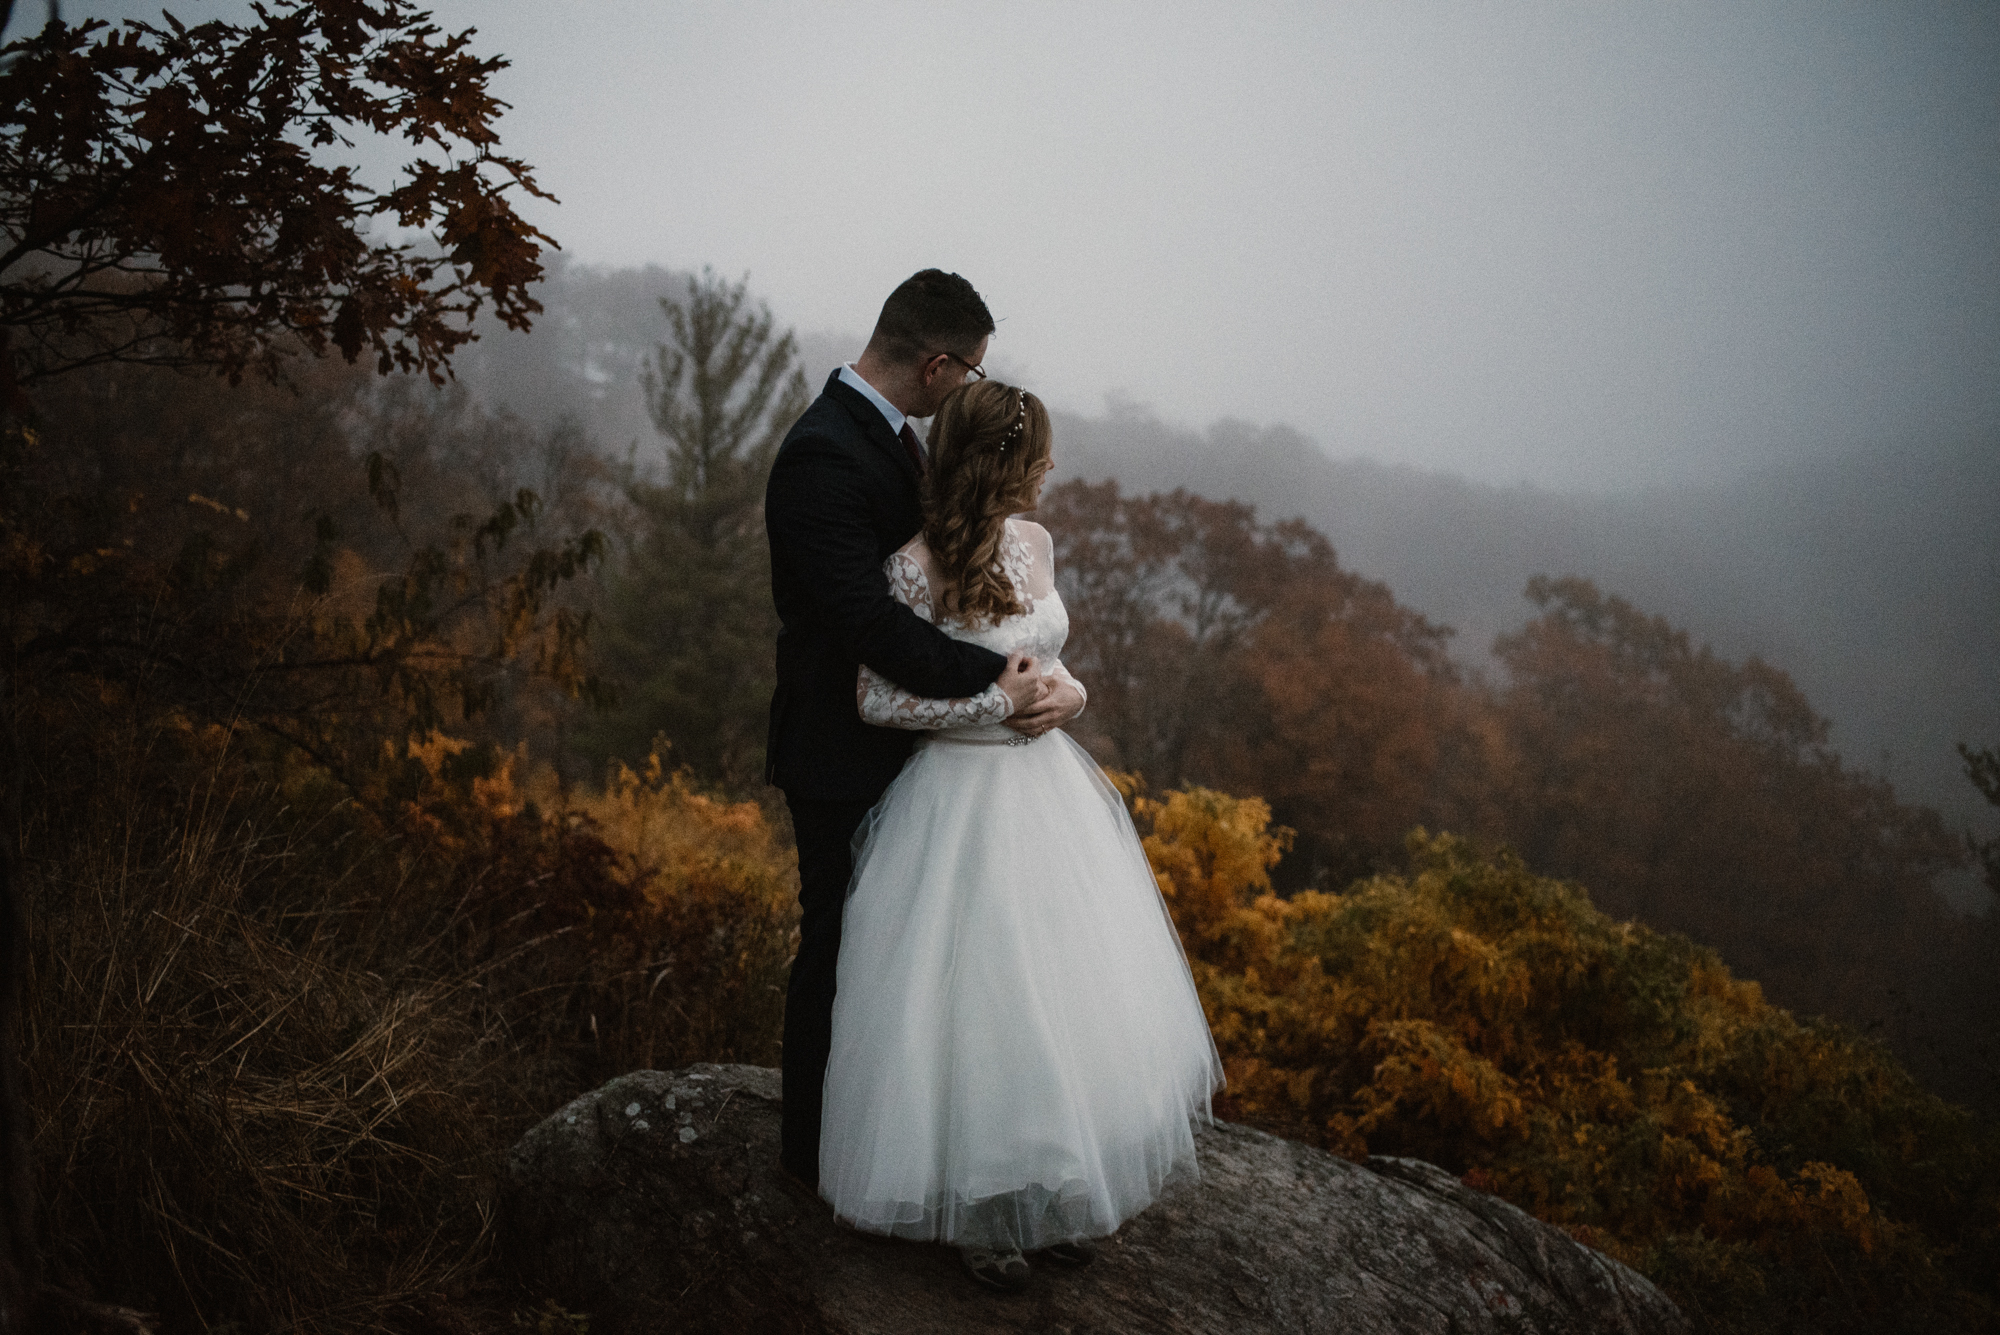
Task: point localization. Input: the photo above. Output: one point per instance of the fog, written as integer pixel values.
(1583, 246)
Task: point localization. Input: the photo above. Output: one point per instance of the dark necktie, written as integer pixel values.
(916, 450)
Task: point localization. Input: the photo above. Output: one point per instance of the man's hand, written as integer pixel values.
(1059, 703)
(1022, 680)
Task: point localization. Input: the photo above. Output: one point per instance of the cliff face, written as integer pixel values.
(656, 1203)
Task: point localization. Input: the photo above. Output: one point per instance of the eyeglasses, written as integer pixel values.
(975, 374)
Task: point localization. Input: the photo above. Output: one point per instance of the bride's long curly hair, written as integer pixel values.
(989, 444)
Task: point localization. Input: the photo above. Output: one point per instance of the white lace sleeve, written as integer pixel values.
(1061, 673)
(888, 705)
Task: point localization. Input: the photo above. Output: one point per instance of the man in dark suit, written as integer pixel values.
(843, 496)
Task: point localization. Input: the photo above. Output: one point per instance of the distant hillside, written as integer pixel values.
(1873, 579)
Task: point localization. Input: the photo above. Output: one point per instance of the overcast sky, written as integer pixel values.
(1586, 245)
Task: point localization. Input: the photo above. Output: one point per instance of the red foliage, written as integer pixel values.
(167, 195)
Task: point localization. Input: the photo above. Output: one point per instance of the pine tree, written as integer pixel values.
(689, 619)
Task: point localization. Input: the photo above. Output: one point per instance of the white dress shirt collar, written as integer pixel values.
(890, 413)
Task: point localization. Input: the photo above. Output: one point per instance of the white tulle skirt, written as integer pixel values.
(1017, 1045)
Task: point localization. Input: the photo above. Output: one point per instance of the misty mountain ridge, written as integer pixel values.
(1872, 577)
(1874, 583)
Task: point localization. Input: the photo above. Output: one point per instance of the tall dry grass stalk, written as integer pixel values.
(270, 1110)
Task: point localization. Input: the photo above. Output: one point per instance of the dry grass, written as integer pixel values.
(229, 1069)
(275, 1059)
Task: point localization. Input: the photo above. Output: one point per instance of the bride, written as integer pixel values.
(1017, 1045)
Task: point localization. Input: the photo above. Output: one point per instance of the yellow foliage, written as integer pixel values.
(722, 893)
(1615, 1081)
(660, 820)
(673, 912)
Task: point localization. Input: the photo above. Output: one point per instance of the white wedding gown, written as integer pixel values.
(1018, 1049)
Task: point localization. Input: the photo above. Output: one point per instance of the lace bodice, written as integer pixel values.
(1028, 557)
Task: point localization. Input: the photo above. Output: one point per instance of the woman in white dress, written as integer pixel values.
(1018, 1049)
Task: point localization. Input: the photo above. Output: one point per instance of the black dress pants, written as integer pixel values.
(825, 832)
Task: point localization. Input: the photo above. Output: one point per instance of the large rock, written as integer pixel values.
(656, 1204)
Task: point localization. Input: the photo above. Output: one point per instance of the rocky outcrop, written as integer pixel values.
(656, 1204)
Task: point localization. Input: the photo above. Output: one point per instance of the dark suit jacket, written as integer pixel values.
(843, 496)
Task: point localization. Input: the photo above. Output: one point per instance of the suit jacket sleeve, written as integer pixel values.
(817, 512)
(888, 705)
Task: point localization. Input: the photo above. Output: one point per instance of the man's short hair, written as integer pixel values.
(930, 312)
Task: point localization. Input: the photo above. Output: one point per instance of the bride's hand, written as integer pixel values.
(1057, 705)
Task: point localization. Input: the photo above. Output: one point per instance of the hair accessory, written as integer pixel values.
(1020, 420)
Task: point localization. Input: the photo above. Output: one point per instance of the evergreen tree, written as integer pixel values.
(689, 618)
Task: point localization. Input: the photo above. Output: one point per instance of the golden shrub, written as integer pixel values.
(1613, 1080)
(721, 890)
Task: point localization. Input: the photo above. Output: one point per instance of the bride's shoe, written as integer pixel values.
(1006, 1271)
(1077, 1252)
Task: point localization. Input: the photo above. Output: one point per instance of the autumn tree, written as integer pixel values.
(1160, 592)
(1226, 650)
(172, 195)
(1360, 724)
(689, 622)
(1702, 795)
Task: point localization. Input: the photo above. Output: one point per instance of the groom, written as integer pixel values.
(844, 495)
